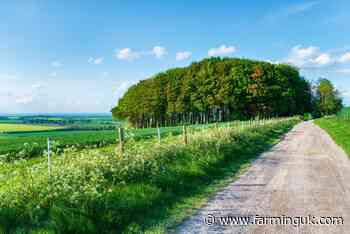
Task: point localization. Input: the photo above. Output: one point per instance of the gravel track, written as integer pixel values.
(305, 174)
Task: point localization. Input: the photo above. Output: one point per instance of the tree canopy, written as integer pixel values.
(215, 89)
(327, 99)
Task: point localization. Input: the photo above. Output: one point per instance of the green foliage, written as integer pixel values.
(307, 116)
(95, 191)
(327, 100)
(215, 90)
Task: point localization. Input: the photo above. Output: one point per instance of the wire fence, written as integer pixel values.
(185, 131)
(345, 114)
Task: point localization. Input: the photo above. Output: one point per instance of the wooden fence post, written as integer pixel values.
(121, 140)
(184, 132)
(49, 155)
(158, 134)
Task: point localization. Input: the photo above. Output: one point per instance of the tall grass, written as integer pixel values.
(338, 128)
(96, 191)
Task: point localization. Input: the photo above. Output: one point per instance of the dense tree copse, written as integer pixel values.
(215, 89)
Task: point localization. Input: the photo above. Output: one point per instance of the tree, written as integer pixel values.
(327, 99)
(215, 89)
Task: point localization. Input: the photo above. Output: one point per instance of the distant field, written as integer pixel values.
(14, 142)
(10, 128)
(339, 129)
(29, 133)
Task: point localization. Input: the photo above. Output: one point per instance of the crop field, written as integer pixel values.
(133, 191)
(12, 128)
(15, 142)
(81, 132)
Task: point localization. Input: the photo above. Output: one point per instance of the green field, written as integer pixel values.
(14, 142)
(338, 128)
(147, 189)
(80, 132)
(11, 128)
(23, 136)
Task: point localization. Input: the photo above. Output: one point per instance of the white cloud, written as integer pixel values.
(345, 58)
(323, 59)
(222, 50)
(36, 86)
(56, 64)
(159, 51)
(127, 54)
(96, 61)
(183, 55)
(130, 55)
(308, 57)
(53, 74)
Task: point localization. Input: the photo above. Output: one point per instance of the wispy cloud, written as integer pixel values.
(222, 51)
(95, 61)
(127, 54)
(36, 86)
(131, 55)
(183, 55)
(159, 51)
(290, 11)
(345, 58)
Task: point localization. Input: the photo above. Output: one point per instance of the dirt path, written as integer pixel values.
(305, 174)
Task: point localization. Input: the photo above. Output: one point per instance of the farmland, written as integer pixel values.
(131, 192)
(27, 136)
(13, 128)
(28, 133)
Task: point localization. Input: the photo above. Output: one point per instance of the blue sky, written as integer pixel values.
(81, 56)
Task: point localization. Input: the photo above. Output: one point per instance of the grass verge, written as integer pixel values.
(338, 129)
(150, 188)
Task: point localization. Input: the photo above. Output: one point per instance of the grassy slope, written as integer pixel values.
(338, 129)
(151, 199)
